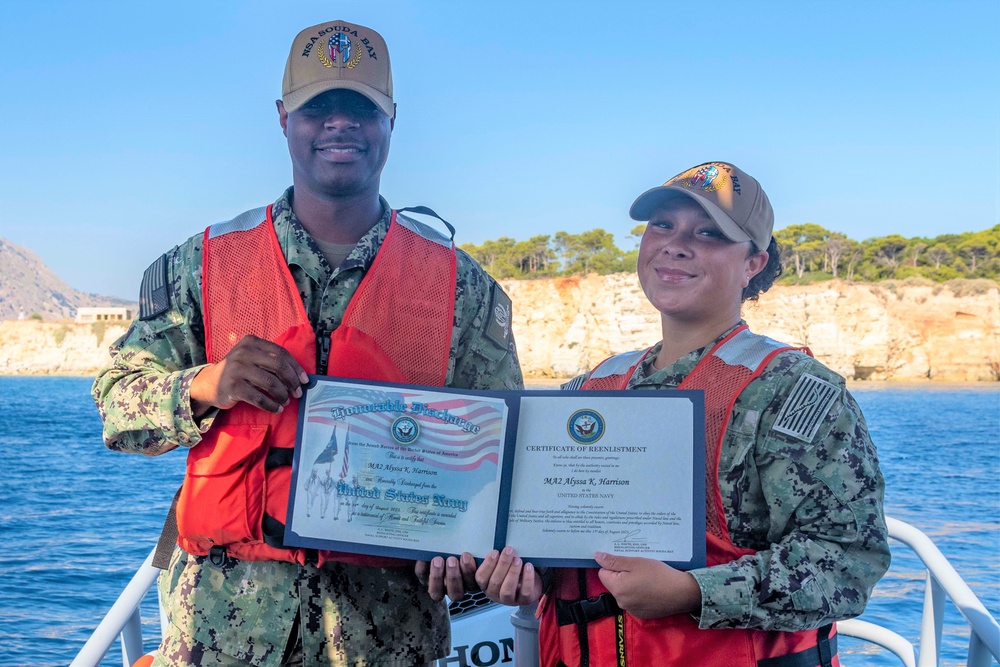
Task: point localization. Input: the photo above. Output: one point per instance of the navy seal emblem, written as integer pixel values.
(585, 426)
(405, 430)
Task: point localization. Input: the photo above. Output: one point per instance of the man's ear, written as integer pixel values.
(282, 116)
(392, 121)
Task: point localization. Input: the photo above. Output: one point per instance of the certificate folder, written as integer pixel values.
(415, 472)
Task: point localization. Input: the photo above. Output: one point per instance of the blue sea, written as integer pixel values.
(76, 519)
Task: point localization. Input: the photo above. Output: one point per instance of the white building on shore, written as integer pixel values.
(84, 315)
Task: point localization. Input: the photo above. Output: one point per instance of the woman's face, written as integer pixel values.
(689, 270)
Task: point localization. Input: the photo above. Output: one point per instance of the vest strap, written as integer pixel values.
(424, 210)
(168, 537)
(821, 654)
(273, 532)
(278, 456)
(581, 612)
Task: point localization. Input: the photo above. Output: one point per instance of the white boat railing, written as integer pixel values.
(123, 619)
(942, 583)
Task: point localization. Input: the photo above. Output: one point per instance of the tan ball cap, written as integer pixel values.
(334, 55)
(730, 196)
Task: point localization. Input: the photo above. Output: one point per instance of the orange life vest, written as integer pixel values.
(581, 623)
(397, 328)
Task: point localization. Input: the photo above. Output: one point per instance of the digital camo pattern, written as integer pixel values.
(144, 400)
(812, 509)
(356, 615)
(144, 395)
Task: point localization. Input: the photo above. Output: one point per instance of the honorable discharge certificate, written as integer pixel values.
(397, 470)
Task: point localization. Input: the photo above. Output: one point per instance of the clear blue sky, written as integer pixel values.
(128, 126)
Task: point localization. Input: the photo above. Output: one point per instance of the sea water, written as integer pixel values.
(77, 520)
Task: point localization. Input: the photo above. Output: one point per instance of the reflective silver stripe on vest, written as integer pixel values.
(747, 349)
(620, 364)
(240, 223)
(423, 230)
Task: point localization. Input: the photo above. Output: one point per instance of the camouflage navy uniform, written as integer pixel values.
(347, 615)
(811, 508)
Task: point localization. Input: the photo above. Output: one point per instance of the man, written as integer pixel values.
(328, 280)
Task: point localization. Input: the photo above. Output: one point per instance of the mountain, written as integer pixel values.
(27, 286)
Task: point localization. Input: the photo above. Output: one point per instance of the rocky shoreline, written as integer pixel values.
(865, 332)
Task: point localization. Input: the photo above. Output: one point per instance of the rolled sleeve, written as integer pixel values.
(143, 395)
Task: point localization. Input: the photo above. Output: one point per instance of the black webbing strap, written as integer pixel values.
(581, 628)
(168, 537)
(581, 612)
(821, 654)
(423, 210)
(278, 456)
(827, 646)
(274, 536)
(273, 532)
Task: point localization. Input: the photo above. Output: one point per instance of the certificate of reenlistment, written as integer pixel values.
(415, 472)
(619, 472)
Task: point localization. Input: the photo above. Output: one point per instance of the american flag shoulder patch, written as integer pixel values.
(805, 408)
(498, 329)
(154, 299)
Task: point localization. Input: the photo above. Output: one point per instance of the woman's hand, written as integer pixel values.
(506, 579)
(647, 588)
(452, 576)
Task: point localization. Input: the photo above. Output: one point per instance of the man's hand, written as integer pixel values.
(647, 588)
(255, 371)
(453, 576)
(506, 579)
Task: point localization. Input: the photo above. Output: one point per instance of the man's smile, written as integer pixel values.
(339, 151)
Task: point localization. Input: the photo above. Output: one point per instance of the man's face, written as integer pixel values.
(338, 142)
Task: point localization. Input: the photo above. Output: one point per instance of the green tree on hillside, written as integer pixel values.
(809, 252)
(885, 253)
(938, 254)
(592, 251)
(802, 246)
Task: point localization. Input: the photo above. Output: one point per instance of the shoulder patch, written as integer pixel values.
(805, 408)
(574, 384)
(500, 313)
(154, 298)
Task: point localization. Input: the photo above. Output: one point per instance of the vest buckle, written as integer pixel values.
(217, 555)
(582, 612)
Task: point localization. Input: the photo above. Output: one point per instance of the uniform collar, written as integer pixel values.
(673, 374)
(301, 250)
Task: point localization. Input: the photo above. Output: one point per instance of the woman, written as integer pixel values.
(796, 535)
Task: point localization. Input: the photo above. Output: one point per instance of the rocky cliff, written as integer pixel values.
(566, 325)
(863, 331)
(55, 348)
(28, 287)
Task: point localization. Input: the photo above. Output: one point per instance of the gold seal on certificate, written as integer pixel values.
(414, 472)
